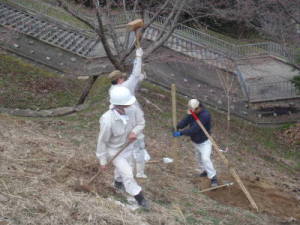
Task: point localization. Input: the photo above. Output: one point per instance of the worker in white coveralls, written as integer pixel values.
(201, 142)
(119, 79)
(120, 125)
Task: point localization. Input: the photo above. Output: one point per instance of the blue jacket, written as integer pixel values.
(194, 131)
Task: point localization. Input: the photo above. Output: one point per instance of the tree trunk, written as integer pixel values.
(87, 89)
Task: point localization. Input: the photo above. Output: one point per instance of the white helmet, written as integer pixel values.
(193, 104)
(121, 95)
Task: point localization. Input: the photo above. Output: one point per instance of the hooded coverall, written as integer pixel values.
(139, 150)
(114, 131)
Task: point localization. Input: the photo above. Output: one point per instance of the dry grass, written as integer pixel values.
(41, 161)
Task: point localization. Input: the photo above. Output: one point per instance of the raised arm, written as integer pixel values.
(136, 74)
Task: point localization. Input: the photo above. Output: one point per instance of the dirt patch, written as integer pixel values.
(268, 198)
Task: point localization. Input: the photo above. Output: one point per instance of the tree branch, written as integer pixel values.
(166, 35)
(112, 31)
(101, 34)
(77, 16)
(287, 12)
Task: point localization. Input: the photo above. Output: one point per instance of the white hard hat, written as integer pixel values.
(121, 95)
(193, 104)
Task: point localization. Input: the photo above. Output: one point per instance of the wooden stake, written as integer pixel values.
(174, 115)
(231, 169)
(175, 144)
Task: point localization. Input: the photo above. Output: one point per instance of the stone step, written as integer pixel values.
(78, 43)
(46, 31)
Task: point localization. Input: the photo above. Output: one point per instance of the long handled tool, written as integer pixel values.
(217, 187)
(135, 26)
(87, 187)
(231, 169)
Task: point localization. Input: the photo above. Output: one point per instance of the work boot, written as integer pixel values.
(214, 182)
(142, 202)
(119, 186)
(203, 174)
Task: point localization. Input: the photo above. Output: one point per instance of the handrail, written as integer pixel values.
(230, 49)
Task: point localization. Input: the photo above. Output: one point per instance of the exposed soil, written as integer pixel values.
(269, 198)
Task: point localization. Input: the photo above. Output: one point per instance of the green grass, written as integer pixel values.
(49, 10)
(23, 86)
(267, 137)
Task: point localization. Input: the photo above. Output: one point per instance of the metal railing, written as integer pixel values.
(272, 90)
(188, 39)
(217, 44)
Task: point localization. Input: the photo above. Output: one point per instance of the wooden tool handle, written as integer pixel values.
(138, 37)
(217, 187)
(110, 161)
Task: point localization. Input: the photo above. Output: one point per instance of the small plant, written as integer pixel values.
(296, 82)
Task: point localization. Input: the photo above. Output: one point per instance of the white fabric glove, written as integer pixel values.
(139, 52)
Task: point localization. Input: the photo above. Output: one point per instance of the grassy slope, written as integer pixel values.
(48, 155)
(47, 9)
(22, 85)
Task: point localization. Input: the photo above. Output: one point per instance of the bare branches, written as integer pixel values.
(289, 12)
(104, 40)
(76, 15)
(164, 36)
(154, 17)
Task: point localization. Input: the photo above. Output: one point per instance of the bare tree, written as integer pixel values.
(277, 20)
(115, 40)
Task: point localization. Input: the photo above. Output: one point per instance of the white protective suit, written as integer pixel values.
(139, 151)
(114, 131)
(203, 152)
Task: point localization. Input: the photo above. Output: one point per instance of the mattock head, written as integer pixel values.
(135, 24)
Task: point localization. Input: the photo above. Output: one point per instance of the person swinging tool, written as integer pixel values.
(120, 125)
(201, 142)
(119, 79)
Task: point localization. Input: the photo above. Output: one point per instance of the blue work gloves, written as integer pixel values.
(176, 133)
